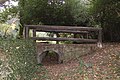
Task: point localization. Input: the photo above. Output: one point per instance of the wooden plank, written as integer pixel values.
(63, 31)
(62, 27)
(63, 39)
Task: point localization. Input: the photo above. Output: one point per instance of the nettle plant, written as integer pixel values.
(10, 29)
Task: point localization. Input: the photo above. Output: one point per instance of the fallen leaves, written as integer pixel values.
(102, 65)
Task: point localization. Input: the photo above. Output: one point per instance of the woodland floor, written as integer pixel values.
(103, 64)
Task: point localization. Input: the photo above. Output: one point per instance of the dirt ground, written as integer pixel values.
(99, 65)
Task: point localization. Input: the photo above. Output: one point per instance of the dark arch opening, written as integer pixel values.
(50, 57)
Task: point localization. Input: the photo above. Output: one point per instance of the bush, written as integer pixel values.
(17, 60)
(9, 30)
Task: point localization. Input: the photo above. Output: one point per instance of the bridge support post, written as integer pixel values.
(26, 32)
(99, 44)
(34, 32)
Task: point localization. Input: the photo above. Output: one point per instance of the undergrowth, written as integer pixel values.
(19, 60)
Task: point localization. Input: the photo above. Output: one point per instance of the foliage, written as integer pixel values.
(79, 9)
(54, 12)
(19, 62)
(9, 12)
(9, 31)
(107, 14)
(65, 12)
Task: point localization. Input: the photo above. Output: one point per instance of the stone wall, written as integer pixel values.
(66, 52)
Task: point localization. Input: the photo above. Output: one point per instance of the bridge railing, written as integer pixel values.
(63, 29)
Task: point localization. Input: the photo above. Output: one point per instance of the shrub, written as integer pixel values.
(17, 60)
(9, 30)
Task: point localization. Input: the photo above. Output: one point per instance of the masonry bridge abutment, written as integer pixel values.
(65, 52)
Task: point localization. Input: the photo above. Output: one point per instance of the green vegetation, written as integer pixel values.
(9, 11)
(18, 60)
(54, 12)
(107, 15)
(9, 31)
(100, 13)
(17, 56)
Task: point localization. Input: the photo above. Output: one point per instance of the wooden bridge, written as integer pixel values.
(65, 51)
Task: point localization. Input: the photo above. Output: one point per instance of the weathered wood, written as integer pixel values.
(34, 32)
(26, 32)
(63, 39)
(62, 27)
(63, 31)
(100, 36)
(58, 35)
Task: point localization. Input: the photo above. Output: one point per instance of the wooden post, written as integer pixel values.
(26, 32)
(87, 35)
(57, 34)
(99, 38)
(34, 32)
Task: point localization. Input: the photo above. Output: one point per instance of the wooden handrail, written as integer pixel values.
(80, 28)
(63, 29)
(63, 39)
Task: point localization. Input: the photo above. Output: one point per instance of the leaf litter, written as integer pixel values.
(102, 64)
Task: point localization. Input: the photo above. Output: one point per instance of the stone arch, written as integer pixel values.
(43, 54)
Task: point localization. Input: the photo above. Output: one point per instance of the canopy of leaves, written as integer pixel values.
(107, 14)
(53, 12)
